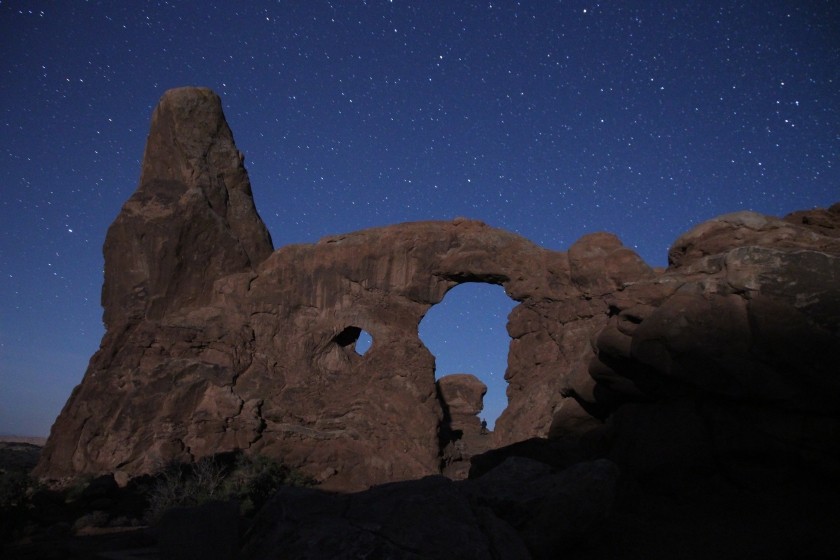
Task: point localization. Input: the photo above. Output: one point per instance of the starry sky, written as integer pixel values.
(551, 119)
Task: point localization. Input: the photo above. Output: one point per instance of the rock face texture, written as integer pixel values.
(462, 397)
(722, 367)
(191, 220)
(461, 433)
(727, 362)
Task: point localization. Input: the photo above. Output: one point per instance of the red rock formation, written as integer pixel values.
(191, 220)
(728, 360)
(462, 395)
(214, 343)
(309, 301)
(462, 433)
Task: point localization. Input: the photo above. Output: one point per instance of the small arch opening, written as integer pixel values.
(363, 343)
(467, 333)
(358, 339)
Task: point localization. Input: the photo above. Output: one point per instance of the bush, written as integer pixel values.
(94, 519)
(249, 480)
(79, 489)
(255, 479)
(15, 491)
(184, 486)
(13, 488)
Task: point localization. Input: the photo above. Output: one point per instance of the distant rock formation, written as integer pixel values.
(216, 343)
(462, 396)
(462, 434)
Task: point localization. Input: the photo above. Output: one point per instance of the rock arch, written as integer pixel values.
(467, 333)
(215, 342)
(256, 351)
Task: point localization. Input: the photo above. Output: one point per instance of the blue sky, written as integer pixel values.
(549, 119)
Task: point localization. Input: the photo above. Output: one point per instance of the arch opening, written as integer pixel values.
(363, 343)
(356, 338)
(467, 333)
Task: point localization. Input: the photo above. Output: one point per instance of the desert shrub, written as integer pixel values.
(181, 485)
(77, 488)
(248, 480)
(95, 519)
(255, 479)
(13, 488)
(15, 491)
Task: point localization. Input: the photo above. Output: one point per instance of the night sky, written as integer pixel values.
(549, 119)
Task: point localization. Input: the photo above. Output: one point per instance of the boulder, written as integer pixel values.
(521, 509)
(725, 364)
(462, 397)
(825, 221)
(462, 434)
(209, 531)
(425, 518)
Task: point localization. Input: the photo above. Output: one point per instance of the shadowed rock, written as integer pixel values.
(462, 433)
(520, 510)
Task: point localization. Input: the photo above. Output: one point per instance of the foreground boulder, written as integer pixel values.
(522, 509)
(724, 364)
(729, 360)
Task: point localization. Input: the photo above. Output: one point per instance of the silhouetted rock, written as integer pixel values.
(729, 358)
(462, 394)
(209, 531)
(522, 509)
(559, 453)
(426, 518)
(462, 433)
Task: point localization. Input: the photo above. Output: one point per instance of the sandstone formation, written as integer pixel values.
(727, 363)
(462, 434)
(719, 370)
(462, 398)
(214, 343)
(191, 220)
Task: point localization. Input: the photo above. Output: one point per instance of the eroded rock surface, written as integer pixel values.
(462, 397)
(191, 220)
(462, 433)
(730, 357)
(216, 343)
